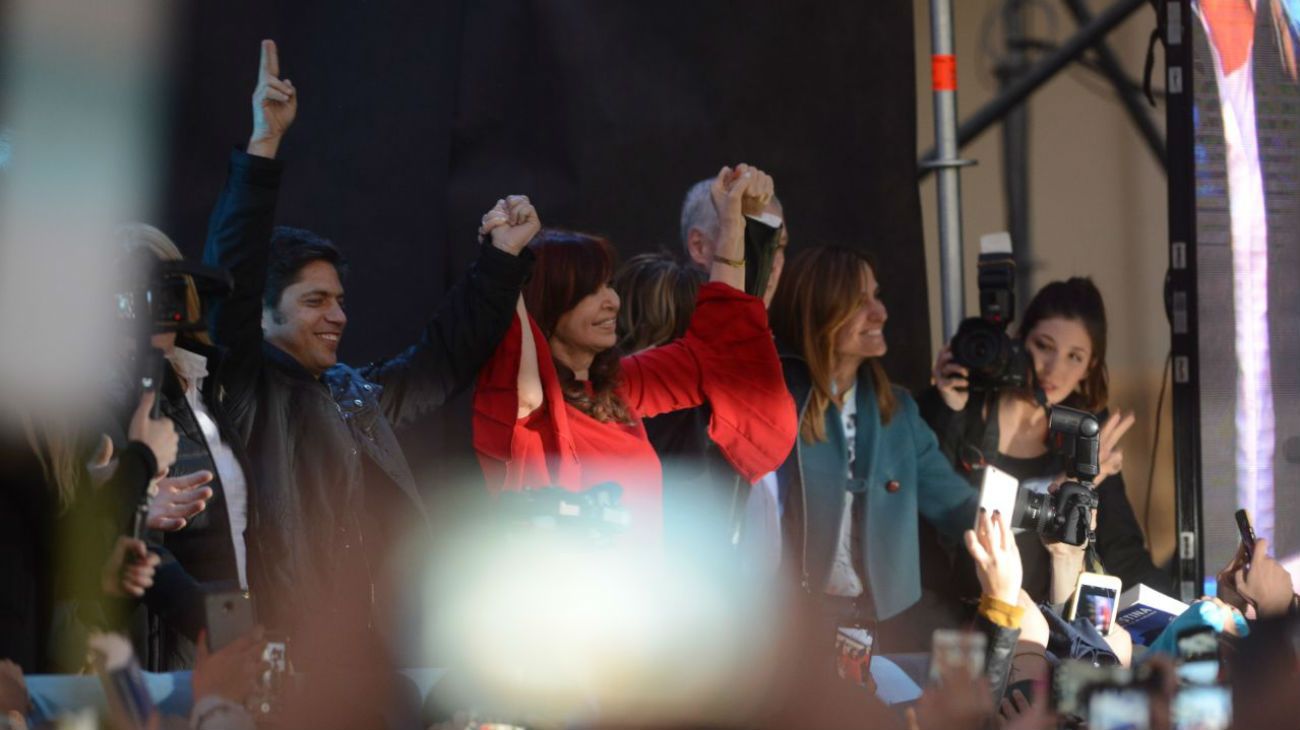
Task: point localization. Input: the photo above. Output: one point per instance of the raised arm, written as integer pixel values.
(507, 224)
(239, 232)
(736, 193)
(468, 325)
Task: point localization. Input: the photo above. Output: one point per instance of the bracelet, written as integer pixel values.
(738, 263)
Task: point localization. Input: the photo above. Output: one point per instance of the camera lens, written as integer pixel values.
(981, 346)
(1034, 511)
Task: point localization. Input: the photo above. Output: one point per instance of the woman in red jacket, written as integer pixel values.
(558, 406)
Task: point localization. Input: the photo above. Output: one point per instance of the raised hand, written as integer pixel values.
(158, 434)
(275, 104)
(758, 193)
(511, 224)
(951, 380)
(740, 191)
(178, 499)
(997, 558)
(1110, 458)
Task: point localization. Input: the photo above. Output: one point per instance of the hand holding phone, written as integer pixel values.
(1247, 532)
(130, 706)
(1096, 597)
(998, 491)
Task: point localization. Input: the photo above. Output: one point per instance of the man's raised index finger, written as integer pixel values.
(270, 63)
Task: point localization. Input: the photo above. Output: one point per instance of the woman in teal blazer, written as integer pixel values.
(865, 465)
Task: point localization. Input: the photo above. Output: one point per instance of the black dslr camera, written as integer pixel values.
(982, 345)
(153, 298)
(154, 295)
(1066, 515)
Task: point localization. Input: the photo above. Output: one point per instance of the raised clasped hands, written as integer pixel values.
(740, 191)
(275, 104)
(511, 224)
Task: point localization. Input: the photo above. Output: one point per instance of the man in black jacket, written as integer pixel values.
(334, 487)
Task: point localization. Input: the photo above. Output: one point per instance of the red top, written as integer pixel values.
(727, 358)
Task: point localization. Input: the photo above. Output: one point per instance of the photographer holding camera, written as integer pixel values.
(984, 417)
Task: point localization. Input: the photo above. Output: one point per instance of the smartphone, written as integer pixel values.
(853, 647)
(153, 368)
(273, 678)
(229, 615)
(1198, 655)
(1096, 597)
(1247, 532)
(130, 706)
(951, 649)
(1203, 708)
(998, 492)
(1118, 707)
(1072, 679)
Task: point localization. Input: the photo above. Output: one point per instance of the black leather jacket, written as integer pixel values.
(1001, 649)
(331, 477)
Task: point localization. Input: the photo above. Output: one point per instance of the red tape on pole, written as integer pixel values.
(943, 72)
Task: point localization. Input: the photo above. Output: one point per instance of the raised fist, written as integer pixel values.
(511, 224)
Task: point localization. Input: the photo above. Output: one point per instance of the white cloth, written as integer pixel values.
(193, 368)
(759, 540)
(844, 579)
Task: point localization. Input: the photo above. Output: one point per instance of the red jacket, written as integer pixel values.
(726, 359)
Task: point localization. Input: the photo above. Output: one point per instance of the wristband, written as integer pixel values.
(1006, 615)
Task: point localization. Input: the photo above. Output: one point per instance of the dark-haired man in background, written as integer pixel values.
(337, 489)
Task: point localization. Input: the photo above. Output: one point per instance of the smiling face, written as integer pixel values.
(308, 321)
(1062, 352)
(863, 334)
(590, 327)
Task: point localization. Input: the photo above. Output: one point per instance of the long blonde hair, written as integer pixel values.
(60, 459)
(820, 290)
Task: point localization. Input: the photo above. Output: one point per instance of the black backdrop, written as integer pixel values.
(416, 116)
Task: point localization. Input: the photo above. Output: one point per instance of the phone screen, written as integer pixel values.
(1198, 656)
(1119, 708)
(952, 650)
(1203, 708)
(1097, 604)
